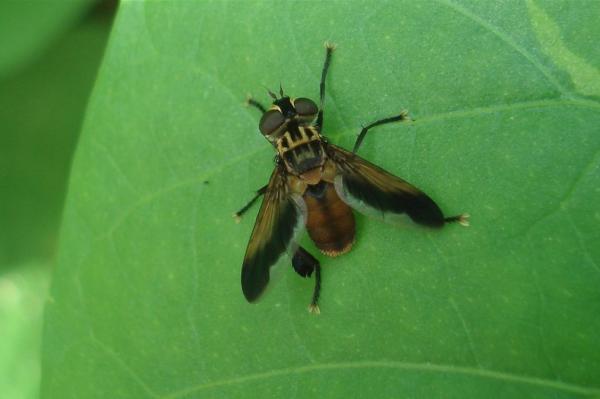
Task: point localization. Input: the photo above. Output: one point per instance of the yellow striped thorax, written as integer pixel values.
(301, 148)
(287, 125)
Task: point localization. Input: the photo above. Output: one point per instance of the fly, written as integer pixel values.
(315, 186)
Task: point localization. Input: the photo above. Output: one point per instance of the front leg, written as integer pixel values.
(329, 47)
(253, 103)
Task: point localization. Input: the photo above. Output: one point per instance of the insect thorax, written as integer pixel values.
(301, 148)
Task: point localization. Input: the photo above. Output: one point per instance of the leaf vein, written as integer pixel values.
(119, 360)
(111, 160)
(562, 204)
(510, 42)
(542, 309)
(584, 248)
(395, 365)
(466, 330)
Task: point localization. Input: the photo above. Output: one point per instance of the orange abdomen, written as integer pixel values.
(330, 221)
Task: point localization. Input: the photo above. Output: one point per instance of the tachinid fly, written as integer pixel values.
(314, 186)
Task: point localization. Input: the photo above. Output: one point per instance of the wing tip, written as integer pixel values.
(252, 284)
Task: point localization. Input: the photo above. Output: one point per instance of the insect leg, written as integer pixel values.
(462, 219)
(403, 116)
(252, 102)
(329, 47)
(304, 264)
(314, 306)
(259, 192)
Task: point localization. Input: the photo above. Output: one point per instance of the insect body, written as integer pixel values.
(314, 186)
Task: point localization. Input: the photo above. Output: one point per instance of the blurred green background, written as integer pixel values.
(50, 54)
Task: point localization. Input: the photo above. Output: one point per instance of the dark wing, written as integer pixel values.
(280, 219)
(365, 186)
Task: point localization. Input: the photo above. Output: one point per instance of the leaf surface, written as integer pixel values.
(147, 299)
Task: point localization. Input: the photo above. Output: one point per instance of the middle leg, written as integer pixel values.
(398, 118)
(238, 215)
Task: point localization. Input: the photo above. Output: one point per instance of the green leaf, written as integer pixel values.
(147, 299)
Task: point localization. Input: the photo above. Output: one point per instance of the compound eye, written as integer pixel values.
(270, 122)
(305, 107)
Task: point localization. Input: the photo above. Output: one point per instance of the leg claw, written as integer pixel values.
(314, 309)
